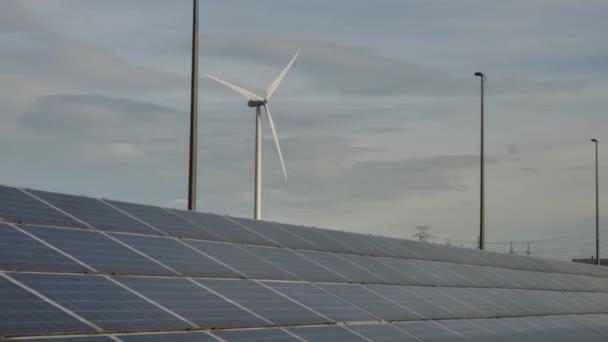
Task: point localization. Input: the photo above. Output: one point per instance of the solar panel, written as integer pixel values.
(97, 251)
(194, 303)
(162, 219)
(389, 249)
(500, 329)
(371, 302)
(173, 337)
(321, 301)
(295, 264)
(18, 251)
(343, 267)
(94, 212)
(73, 339)
(23, 313)
(376, 266)
(382, 333)
(241, 259)
(225, 229)
(263, 301)
(17, 206)
(326, 334)
(256, 335)
(317, 237)
(273, 232)
(102, 302)
(455, 307)
(178, 257)
(355, 244)
(468, 330)
(477, 299)
(412, 300)
(430, 331)
(412, 272)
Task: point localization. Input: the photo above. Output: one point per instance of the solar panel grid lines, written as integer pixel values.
(18, 206)
(199, 304)
(157, 231)
(41, 248)
(371, 301)
(200, 336)
(177, 256)
(430, 331)
(403, 250)
(274, 307)
(93, 212)
(321, 301)
(274, 232)
(49, 307)
(163, 220)
(373, 264)
(296, 264)
(258, 335)
(383, 332)
(343, 267)
(242, 260)
(84, 224)
(97, 250)
(334, 333)
(155, 303)
(224, 228)
(315, 236)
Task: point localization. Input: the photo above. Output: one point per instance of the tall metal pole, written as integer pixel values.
(482, 166)
(193, 111)
(257, 206)
(597, 209)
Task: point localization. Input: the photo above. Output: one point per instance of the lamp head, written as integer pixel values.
(594, 140)
(479, 74)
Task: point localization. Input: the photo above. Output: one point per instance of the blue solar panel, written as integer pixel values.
(370, 302)
(357, 243)
(263, 301)
(343, 267)
(164, 220)
(417, 305)
(468, 330)
(430, 331)
(179, 257)
(173, 337)
(274, 232)
(100, 301)
(432, 295)
(382, 333)
(479, 299)
(376, 266)
(326, 334)
(192, 302)
(295, 264)
(97, 251)
(411, 272)
(22, 313)
(73, 339)
(94, 212)
(225, 229)
(318, 238)
(16, 206)
(500, 329)
(255, 335)
(21, 252)
(320, 301)
(241, 259)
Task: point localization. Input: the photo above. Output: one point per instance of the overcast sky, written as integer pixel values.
(378, 118)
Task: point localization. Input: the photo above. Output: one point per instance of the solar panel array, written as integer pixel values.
(74, 268)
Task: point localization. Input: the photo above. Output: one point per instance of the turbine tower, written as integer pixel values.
(257, 102)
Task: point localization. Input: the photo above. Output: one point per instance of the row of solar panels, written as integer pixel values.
(538, 329)
(43, 303)
(39, 207)
(49, 249)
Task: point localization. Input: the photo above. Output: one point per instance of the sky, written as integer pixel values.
(378, 118)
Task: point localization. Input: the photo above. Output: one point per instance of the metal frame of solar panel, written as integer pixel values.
(75, 268)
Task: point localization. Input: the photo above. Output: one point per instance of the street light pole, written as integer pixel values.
(193, 112)
(482, 79)
(597, 209)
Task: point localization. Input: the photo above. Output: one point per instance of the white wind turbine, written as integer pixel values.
(257, 102)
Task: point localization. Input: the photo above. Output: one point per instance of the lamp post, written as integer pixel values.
(597, 209)
(193, 112)
(482, 79)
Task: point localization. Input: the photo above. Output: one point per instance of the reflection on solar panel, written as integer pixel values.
(74, 268)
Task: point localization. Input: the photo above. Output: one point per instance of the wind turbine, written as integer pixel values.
(257, 102)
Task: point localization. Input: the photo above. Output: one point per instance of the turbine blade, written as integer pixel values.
(249, 95)
(276, 139)
(275, 84)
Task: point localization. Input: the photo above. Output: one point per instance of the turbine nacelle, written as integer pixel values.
(256, 103)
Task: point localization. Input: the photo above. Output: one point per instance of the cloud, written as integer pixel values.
(13, 17)
(530, 169)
